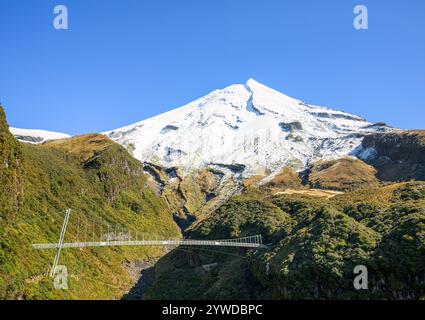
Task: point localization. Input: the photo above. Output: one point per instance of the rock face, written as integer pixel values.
(398, 156)
(291, 126)
(192, 196)
(244, 128)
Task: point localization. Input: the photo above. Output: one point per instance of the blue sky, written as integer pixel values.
(127, 60)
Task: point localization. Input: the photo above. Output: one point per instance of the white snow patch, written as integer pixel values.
(36, 136)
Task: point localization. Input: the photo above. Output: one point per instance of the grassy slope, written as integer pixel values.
(287, 178)
(346, 174)
(100, 184)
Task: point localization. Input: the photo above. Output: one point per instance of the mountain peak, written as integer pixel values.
(261, 90)
(252, 82)
(249, 126)
(253, 85)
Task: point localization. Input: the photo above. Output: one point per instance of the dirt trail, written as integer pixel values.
(312, 192)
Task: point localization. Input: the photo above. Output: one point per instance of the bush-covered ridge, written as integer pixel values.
(315, 245)
(100, 181)
(11, 169)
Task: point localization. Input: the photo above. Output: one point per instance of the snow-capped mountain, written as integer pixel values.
(36, 136)
(248, 128)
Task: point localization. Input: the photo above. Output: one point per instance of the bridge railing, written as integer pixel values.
(247, 242)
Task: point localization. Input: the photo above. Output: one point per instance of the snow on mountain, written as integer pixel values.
(36, 136)
(246, 128)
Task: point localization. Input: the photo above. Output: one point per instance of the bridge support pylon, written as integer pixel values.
(60, 243)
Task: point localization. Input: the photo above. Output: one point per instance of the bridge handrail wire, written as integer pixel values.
(240, 242)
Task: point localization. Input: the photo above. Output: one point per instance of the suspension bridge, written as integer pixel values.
(247, 242)
(98, 235)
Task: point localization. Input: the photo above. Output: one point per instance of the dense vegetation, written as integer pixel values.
(100, 182)
(315, 245)
(10, 168)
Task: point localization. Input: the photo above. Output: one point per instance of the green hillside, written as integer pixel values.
(10, 169)
(100, 182)
(314, 246)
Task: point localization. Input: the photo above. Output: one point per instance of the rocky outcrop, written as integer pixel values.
(291, 126)
(188, 195)
(29, 139)
(398, 156)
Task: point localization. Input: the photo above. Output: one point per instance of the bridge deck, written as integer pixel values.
(183, 242)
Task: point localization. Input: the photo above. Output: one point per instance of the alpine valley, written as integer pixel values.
(326, 189)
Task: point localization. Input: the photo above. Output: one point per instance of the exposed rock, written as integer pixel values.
(291, 126)
(187, 195)
(398, 156)
(29, 139)
(235, 168)
(294, 138)
(169, 128)
(336, 115)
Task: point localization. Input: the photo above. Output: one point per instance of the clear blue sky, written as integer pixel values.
(123, 61)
